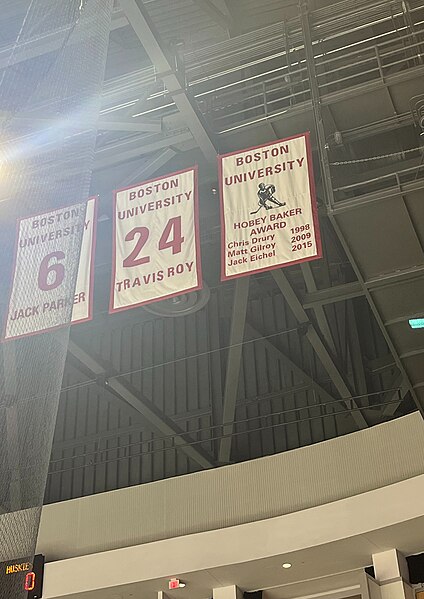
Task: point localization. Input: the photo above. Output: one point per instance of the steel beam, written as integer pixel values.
(395, 277)
(252, 333)
(380, 364)
(158, 422)
(116, 153)
(345, 93)
(377, 196)
(223, 20)
(319, 346)
(167, 70)
(392, 123)
(133, 125)
(148, 167)
(241, 294)
(318, 309)
(377, 314)
(103, 124)
(358, 369)
(119, 20)
(394, 398)
(316, 102)
(338, 293)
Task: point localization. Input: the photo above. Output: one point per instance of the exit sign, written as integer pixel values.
(416, 323)
(175, 583)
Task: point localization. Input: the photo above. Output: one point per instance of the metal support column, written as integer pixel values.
(238, 321)
(318, 309)
(358, 370)
(316, 103)
(319, 346)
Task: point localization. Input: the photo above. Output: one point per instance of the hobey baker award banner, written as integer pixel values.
(268, 207)
(44, 251)
(156, 241)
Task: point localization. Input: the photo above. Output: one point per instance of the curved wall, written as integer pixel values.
(242, 493)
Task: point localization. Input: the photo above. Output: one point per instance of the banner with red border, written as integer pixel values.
(84, 289)
(268, 207)
(43, 263)
(156, 245)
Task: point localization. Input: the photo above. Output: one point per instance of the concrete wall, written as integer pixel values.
(238, 494)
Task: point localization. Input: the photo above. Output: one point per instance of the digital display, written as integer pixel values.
(23, 574)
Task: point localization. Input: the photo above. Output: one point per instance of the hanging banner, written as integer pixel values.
(44, 250)
(156, 251)
(82, 310)
(268, 208)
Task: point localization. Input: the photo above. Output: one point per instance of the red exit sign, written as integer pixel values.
(175, 583)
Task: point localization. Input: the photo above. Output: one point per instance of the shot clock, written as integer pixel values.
(20, 575)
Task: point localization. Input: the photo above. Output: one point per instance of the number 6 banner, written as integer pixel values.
(44, 261)
(156, 252)
(268, 207)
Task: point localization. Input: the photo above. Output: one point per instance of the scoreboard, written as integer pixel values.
(22, 575)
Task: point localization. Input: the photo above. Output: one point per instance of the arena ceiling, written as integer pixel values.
(282, 359)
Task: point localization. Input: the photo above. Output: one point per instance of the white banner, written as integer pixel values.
(44, 249)
(156, 241)
(268, 208)
(82, 310)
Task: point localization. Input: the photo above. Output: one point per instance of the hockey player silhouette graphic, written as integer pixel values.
(266, 198)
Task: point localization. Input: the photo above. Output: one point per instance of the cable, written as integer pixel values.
(243, 421)
(190, 444)
(162, 364)
(370, 158)
(205, 353)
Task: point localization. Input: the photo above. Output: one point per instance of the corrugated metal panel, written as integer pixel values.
(179, 364)
(241, 493)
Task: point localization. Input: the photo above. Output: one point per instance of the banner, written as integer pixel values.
(44, 249)
(82, 310)
(156, 247)
(268, 208)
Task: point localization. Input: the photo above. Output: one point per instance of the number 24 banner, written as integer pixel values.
(44, 262)
(156, 241)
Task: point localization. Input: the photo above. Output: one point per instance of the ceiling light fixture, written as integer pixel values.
(286, 566)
